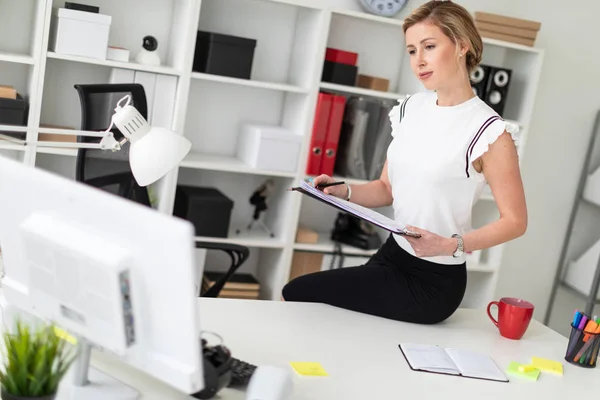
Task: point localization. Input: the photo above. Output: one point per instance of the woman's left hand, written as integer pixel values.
(430, 244)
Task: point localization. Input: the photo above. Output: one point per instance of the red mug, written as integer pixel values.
(514, 316)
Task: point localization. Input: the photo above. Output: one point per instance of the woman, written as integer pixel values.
(447, 143)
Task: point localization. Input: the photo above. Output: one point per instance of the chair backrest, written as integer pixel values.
(104, 169)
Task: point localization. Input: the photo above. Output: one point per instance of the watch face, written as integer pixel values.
(386, 8)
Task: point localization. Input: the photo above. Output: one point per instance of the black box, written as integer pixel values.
(14, 112)
(224, 55)
(82, 7)
(342, 74)
(207, 209)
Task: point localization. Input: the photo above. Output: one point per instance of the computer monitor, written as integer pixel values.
(113, 273)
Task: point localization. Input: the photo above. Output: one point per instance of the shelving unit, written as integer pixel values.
(578, 270)
(208, 109)
(114, 64)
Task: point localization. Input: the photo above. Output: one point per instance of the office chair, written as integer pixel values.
(110, 171)
(238, 254)
(103, 169)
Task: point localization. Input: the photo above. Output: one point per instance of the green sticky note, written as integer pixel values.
(513, 369)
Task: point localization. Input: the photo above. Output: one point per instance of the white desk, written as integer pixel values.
(361, 353)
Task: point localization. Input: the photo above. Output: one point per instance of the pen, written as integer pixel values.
(324, 185)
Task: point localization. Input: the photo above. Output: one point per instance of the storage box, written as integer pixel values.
(224, 55)
(8, 92)
(342, 74)
(115, 53)
(55, 137)
(306, 235)
(80, 33)
(206, 208)
(269, 147)
(341, 56)
(373, 82)
(304, 263)
(509, 29)
(13, 111)
(82, 7)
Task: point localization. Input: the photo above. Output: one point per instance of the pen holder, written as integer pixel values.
(582, 349)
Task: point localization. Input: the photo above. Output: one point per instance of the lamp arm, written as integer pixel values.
(108, 141)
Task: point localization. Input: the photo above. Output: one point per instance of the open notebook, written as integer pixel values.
(450, 361)
(359, 211)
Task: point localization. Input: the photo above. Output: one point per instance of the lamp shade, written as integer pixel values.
(153, 151)
(155, 154)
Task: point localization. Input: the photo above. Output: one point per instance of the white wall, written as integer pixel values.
(564, 113)
(565, 109)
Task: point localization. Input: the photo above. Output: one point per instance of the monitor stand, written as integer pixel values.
(86, 382)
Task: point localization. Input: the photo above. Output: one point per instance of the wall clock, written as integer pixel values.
(384, 8)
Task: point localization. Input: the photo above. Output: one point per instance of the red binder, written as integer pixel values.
(319, 132)
(332, 138)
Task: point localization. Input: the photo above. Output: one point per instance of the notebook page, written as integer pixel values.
(429, 358)
(353, 208)
(476, 365)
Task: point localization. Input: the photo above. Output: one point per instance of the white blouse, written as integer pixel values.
(434, 184)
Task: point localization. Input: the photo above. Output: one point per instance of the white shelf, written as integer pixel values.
(248, 82)
(360, 91)
(350, 181)
(224, 163)
(58, 151)
(326, 245)
(480, 268)
(8, 145)
(510, 45)
(370, 17)
(16, 58)
(254, 239)
(115, 64)
(487, 197)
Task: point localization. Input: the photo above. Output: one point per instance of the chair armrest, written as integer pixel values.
(238, 254)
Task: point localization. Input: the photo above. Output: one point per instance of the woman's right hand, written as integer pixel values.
(340, 191)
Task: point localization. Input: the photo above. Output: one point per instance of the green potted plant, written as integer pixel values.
(35, 360)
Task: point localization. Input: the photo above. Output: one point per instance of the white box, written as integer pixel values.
(80, 33)
(117, 54)
(269, 147)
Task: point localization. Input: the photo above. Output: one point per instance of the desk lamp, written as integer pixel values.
(153, 151)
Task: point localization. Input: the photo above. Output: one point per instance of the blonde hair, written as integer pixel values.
(455, 22)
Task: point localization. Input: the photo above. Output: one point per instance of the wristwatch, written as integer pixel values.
(460, 248)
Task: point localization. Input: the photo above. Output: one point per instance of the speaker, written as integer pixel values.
(479, 80)
(496, 91)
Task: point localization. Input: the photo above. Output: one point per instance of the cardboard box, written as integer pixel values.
(506, 30)
(306, 235)
(305, 263)
(507, 38)
(54, 137)
(8, 92)
(508, 21)
(373, 82)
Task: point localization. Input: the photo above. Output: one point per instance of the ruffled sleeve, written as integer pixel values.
(489, 134)
(397, 113)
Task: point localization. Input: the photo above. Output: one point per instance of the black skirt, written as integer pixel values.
(393, 284)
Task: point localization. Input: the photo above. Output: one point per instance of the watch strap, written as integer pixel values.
(460, 246)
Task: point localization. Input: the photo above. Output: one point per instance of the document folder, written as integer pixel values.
(361, 212)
